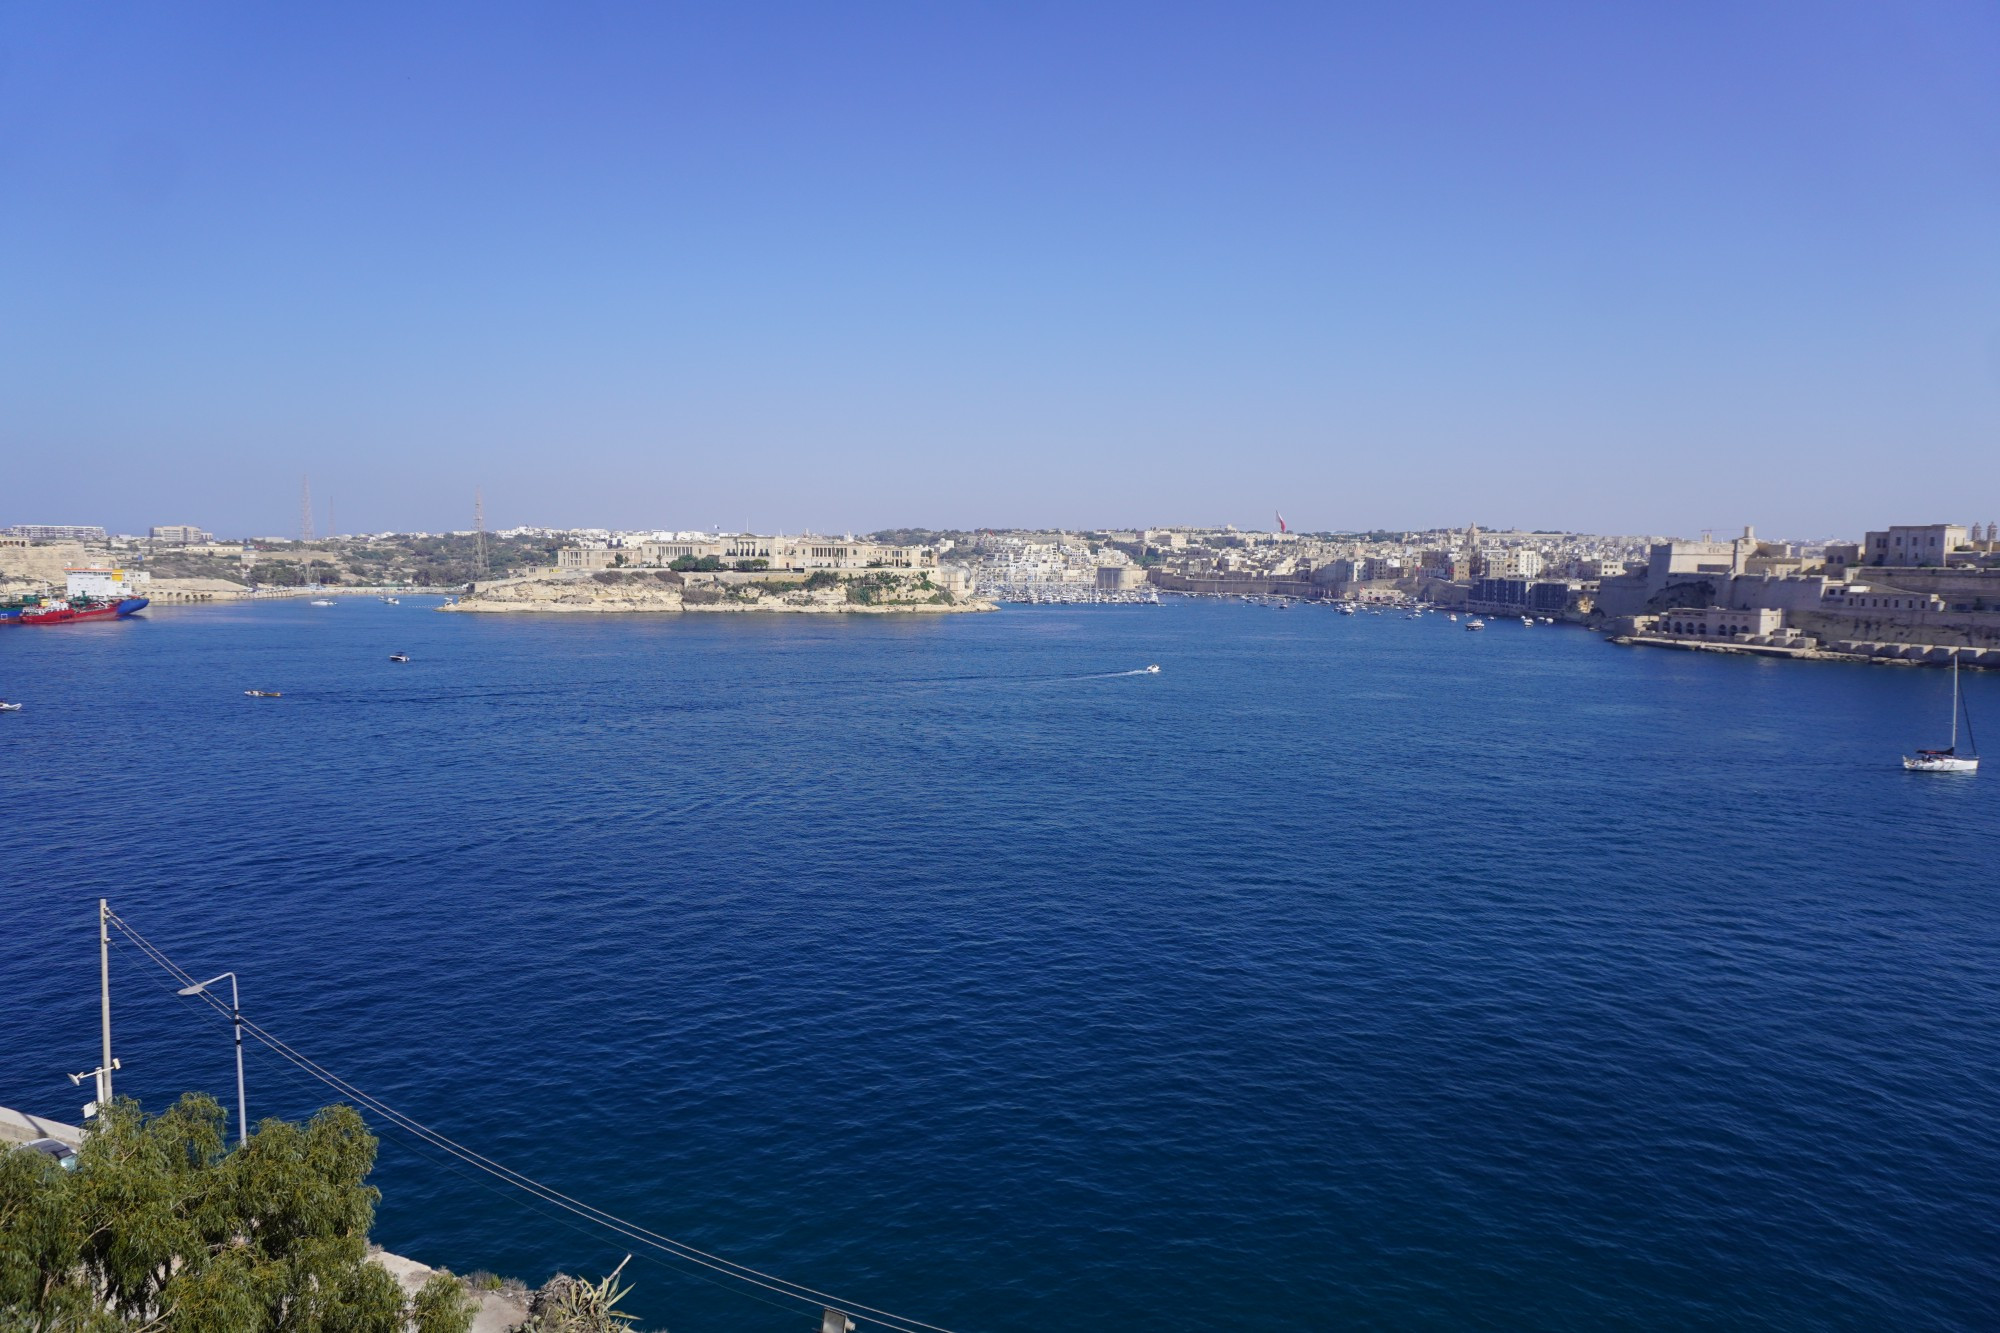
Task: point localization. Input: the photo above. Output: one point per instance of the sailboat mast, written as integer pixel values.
(1954, 701)
(1966, 708)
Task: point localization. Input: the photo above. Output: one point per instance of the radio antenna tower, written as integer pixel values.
(305, 509)
(479, 528)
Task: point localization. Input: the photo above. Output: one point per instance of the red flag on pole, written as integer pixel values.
(1281, 522)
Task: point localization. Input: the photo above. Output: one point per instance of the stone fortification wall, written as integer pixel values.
(661, 590)
(169, 592)
(1794, 595)
(1232, 585)
(1968, 586)
(43, 562)
(1959, 629)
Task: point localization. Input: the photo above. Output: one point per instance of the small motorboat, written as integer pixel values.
(263, 694)
(399, 657)
(393, 601)
(10, 708)
(1151, 671)
(1475, 623)
(1453, 617)
(321, 601)
(1527, 620)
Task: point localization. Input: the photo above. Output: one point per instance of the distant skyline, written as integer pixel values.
(780, 266)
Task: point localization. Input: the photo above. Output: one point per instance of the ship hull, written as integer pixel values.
(62, 614)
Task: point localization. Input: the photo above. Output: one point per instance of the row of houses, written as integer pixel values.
(802, 554)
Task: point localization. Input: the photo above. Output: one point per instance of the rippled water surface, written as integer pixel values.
(1349, 973)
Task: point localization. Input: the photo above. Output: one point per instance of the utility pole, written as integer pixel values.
(104, 1000)
(305, 509)
(479, 527)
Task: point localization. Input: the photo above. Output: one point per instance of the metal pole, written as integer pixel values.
(236, 1015)
(104, 1002)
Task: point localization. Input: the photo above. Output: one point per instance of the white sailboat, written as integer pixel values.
(1949, 760)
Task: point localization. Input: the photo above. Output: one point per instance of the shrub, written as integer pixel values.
(161, 1225)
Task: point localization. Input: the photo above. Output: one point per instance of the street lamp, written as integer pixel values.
(236, 1016)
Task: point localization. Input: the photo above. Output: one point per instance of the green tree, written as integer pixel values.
(161, 1226)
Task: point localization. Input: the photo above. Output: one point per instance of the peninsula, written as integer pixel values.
(744, 572)
(628, 591)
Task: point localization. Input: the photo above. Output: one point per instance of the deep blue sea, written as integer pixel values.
(1352, 972)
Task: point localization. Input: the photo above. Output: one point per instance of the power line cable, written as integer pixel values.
(448, 1164)
(666, 1244)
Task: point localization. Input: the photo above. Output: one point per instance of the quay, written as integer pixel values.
(1872, 654)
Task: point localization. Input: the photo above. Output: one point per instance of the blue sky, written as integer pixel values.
(1626, 267)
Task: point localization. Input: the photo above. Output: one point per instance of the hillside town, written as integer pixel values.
(1906, 592)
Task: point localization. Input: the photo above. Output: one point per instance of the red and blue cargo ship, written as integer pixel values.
(61, 611)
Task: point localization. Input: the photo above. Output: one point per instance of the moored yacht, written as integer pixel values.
(1949, 760)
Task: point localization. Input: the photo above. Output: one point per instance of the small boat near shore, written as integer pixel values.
(321, 601)
(1475, 623)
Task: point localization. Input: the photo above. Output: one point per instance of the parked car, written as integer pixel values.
(55, 1148)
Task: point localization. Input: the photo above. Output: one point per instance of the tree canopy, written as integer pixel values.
(160, 1225)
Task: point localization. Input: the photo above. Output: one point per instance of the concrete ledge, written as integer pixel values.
(497, 1313)
(20, 1127)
